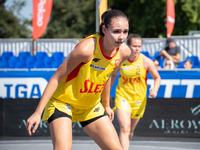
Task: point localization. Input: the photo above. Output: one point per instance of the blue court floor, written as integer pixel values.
(86, 143)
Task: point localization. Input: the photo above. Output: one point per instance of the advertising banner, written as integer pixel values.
(41, 15)
(31, 84)
(14, 114)
(170, 17)
(23, 84)
(174, 84)
(174, 117)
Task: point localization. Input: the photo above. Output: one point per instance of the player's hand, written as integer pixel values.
(153, 93)
(32, 123)
(110, 113)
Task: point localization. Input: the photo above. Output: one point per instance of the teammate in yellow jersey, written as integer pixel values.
(74, 92)
(130, 100)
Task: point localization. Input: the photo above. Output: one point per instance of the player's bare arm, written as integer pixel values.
(81, 54)
(124, 53)
(149, 65)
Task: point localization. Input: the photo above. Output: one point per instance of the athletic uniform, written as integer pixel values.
(79, 94)
(132, 87)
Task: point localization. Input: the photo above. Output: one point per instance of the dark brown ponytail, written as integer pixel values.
(107, 16)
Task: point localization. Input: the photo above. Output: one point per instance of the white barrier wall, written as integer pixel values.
(15, 45)
(189, 45)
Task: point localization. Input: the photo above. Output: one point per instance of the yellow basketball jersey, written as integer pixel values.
(82, 88)
(132, 84)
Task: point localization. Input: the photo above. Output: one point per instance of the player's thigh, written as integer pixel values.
(61, 132)
(124, 118)
(103, 133)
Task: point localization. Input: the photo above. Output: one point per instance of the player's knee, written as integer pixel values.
(125, 129)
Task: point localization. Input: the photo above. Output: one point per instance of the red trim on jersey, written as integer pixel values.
(83, 40)
(107, 57)
(135, 59)
(146, 77)
(74, 73)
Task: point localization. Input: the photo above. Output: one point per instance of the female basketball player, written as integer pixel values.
(74, 91)
(130, 100)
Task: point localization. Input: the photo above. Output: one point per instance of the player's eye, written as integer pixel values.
(125, 32)
(116, 31)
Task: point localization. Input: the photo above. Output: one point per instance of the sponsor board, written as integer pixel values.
(174, 84)
(31, 84)
(163, 117)
(15, 112)
(171, 117)
(22, 87)
(170, 88)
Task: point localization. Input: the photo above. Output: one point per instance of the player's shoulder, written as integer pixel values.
(87, 42)
(147, 60)
(86, 46)
(125, 50)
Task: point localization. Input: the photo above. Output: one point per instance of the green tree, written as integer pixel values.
(10, 25)
(77, 18)
(187, 16)
(148, 17)
(71, 19)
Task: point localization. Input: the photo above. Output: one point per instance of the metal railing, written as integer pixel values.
(56, 45)
(189, 45)
(15, 45)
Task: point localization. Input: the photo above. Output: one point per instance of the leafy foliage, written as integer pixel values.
(77, 18)
(148, 17)
(71, 19)
(12, 26)
(187, 16)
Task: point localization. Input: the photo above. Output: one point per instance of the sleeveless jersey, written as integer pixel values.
(132, 80)
(82, 88)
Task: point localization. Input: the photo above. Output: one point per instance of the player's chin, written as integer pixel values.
(118, 44)
(136, 53)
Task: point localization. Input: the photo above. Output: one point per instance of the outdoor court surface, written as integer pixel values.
(86, 143)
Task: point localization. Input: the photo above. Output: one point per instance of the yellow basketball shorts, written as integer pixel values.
(136, 108)
(76, 114)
